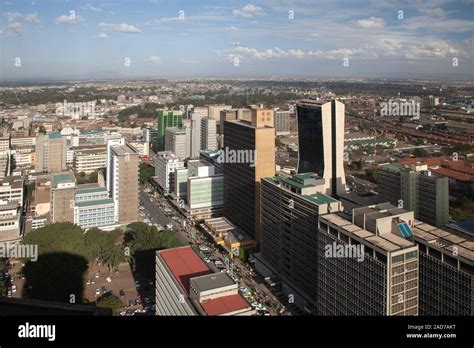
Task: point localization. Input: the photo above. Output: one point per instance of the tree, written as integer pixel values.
(146, 172)
(112, 302)
(420, 153)
(371, 174)
(58, 237)
(144, 240)
(102, 246)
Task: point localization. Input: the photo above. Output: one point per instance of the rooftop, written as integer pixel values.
(123, 150)
(224, 304)
(212, 281)
(184, 264)
(444, 240)
(81, 191)
(95, 202)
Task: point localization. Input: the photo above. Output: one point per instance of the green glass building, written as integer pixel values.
(165, 119)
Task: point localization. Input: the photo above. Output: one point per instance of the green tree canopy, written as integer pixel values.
(110, 301)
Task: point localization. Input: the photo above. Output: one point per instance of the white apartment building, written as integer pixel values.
(166, 163)
(88, 160)
(208, 134)
(177, 140)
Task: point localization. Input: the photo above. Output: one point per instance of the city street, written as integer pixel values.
(154, 211)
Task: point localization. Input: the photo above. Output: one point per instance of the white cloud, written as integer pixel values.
(371, 23)
(90, 7)
(15, 28)
(101, 36)
(249, 11)
(71, 18)
(231, 28)
(246, 52)
(32, 17)
(13, 16)
(154, 59)
(171, 20)
(122, 27)
(409, 48)
(433, 11)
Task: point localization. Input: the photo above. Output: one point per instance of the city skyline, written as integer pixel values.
(146, 39)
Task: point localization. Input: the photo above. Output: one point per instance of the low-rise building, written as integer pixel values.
(186, 286)
(90, 159)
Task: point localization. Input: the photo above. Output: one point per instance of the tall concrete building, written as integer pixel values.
(282, 122)
(368, 263)
(215, 110)
(208, 134)
(50, 153)
(177, 140)
(321, 142)
(415, 188)
(166, 164)
(11, 208)
(446, 271)
(226, 115)
(63, 189)
(165, 119)
(242, 175)
(123, 176)
(290, 208)
(110, 175)
(195, 136)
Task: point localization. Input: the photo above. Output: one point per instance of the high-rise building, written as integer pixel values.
(368, 263)
(215, 110)
(110, 175)
(208, 134)
(446, 271)
(63, 189)
(415, 188)
(11, 207)
(10, 221)
(123, 174)
(321, 142)
(195, 136)
(290, 208)
(241, 175)
(165, 119)
(166, 164)
(202, 111)
(177, 140)
(226, 115)
(282, 122)
(50, 153)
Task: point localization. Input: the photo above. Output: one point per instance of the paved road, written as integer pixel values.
(157, 215)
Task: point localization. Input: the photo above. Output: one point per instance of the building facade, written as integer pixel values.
(321, 142)
(242, 178)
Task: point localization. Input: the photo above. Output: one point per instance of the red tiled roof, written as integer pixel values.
(184, 264)
(431, 161)
(225, 304)
(453, 174)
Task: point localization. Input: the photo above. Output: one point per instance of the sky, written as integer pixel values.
(76, 39)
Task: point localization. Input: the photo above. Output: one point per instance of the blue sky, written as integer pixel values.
(163, 38)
